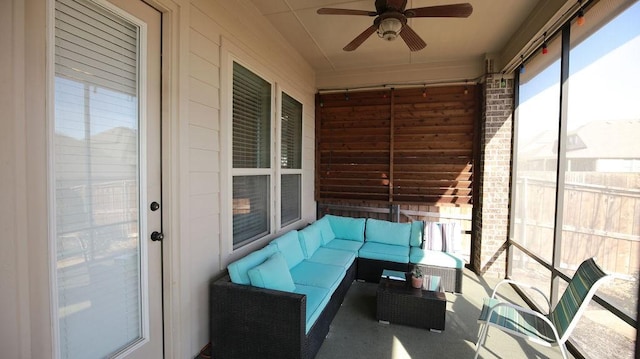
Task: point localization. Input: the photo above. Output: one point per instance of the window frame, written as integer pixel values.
(289, 171)
(230, 54)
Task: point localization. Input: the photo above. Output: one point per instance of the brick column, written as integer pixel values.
(492, 210)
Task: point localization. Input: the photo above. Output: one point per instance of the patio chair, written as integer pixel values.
(552, 329)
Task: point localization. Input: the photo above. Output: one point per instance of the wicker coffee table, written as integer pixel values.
(400, 303)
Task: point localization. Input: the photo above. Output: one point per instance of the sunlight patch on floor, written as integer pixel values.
(398, 351)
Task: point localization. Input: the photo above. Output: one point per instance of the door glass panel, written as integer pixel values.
(97, 183)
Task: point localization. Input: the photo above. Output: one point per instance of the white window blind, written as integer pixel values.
(290, 159)
(250, 208)
(291, 203)
(251, 119)
(291, 138)
(95, 47)
(96, 180)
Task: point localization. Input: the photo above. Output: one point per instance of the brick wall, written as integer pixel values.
(492, 212)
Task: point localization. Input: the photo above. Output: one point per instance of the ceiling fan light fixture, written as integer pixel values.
(389, 28)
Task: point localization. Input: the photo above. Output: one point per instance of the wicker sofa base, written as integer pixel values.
(450, 278)
(251, 322)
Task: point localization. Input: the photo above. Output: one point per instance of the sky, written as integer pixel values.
(604, 81)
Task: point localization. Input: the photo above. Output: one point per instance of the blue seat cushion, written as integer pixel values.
(272, 274)
(345, 245)
(238, 269)
(385, 252)
(317, 275)
(347, 228)
(336, 257)
(325, 230)
(310, 240)
(289, 245)
(417, 228)
(317, 299)
(418, 255)
(386, 232)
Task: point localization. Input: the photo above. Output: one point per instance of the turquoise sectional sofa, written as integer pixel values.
(280, 300)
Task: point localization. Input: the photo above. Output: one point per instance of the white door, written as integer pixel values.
(106, 185)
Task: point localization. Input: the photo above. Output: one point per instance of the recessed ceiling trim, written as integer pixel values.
(306, 29)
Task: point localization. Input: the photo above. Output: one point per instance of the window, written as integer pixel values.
(260, 170)
(290, 159)
(251, 154)
(576, 151)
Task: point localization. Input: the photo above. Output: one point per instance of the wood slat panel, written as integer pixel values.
(396, 145)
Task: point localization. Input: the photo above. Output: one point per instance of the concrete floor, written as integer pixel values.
(355, 333)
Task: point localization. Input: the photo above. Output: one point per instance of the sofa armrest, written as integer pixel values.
(248, 322)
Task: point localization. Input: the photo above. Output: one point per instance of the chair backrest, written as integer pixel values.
(576, 297)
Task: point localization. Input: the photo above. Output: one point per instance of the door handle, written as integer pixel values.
(157, 236)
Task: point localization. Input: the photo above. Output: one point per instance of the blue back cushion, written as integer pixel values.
(238, 269)
(310, 240)
(289, 245)
(388, 232)
(347, 228)
(272, 274)
(325, 230)
(416, 233)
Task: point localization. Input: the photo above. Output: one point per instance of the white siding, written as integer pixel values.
(195, 164)
(238, 22)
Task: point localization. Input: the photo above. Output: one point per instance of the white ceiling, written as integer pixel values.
(320, 38)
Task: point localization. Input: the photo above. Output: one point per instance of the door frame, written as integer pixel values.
(175, 35)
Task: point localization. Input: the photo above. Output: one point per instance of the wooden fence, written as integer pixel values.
(598, 220)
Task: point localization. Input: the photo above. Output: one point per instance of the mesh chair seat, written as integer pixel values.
(517, 322)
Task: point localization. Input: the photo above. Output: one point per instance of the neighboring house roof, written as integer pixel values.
(601, 139)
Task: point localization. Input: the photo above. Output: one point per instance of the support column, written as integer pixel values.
(492, 210)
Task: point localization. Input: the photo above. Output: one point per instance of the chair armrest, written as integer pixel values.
(521, 285)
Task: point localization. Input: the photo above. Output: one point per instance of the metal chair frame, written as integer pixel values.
(493, 306)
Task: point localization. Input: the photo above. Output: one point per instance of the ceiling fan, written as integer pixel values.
(391, 20)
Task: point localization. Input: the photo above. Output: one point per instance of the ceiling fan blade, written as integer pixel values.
(454, 10)
(360, 38)
(412, 39)
(331, 11)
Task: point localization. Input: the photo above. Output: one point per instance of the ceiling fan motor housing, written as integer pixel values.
(390, 24)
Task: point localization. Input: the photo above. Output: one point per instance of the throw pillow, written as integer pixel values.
(272, 274)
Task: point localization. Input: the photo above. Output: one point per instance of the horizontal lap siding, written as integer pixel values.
(424, 152)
